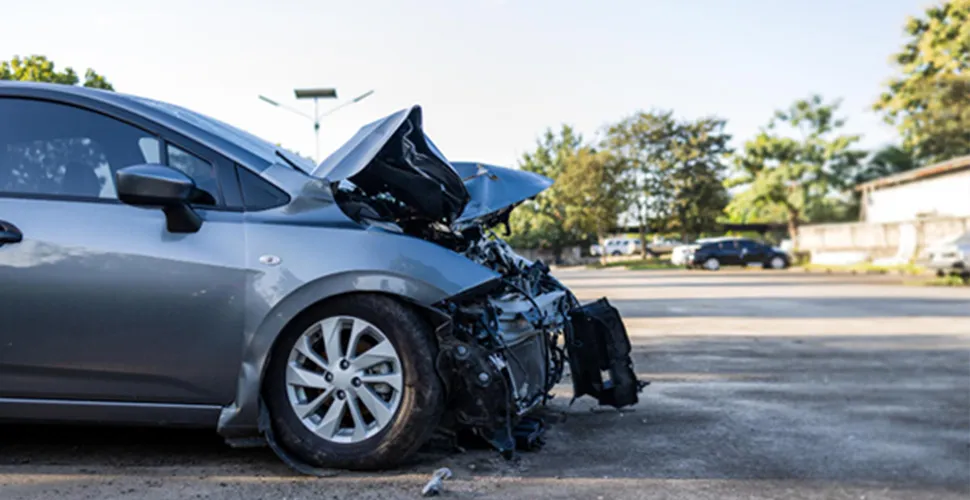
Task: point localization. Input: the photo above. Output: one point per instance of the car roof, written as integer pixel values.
(234, 142)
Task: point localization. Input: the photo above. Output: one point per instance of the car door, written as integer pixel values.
(99, 300)
(729, 253)
(752, 252)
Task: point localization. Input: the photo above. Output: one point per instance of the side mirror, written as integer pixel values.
(160, 186)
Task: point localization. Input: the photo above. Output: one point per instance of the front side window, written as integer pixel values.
(201, 171)
(51, 149)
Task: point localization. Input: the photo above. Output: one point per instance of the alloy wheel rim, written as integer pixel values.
(711, 264)
(777, 263)
(344, 380)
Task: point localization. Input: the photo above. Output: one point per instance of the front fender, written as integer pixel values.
(351, 261)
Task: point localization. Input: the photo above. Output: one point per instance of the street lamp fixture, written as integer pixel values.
(316, 94)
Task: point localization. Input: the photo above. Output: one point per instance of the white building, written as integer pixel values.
(940, 190)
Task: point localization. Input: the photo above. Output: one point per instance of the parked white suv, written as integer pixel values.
(617, 246)
(951, 256)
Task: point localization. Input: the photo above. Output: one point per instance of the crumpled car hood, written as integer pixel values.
(495, 189)
(394, 156)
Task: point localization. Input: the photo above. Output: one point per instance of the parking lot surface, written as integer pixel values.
(764, 385)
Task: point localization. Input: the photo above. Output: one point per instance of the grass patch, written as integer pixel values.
(647, 265)
(951, 280)
(616, 263)
(637, 265)
(864, 268)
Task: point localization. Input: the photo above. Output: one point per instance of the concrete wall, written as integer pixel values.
(878, 240)
(943, 196)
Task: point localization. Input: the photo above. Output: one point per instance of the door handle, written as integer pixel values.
(9, 233)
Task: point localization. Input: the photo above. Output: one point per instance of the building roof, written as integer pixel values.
(946, 167)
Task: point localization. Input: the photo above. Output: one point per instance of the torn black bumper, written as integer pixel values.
(598, 349)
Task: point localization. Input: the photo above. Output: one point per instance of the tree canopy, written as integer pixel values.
(799, 176)
(41, 69)
(929, 100)
(674, 170)
(546, 222)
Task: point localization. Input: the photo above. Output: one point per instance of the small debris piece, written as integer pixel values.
(528, 434)
(433, 487)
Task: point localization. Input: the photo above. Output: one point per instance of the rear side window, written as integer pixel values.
(257, 193)
(51, 149)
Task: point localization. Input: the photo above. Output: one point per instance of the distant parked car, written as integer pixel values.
(680, 255)
(737, 252)
(951, 256)
(662, 246)
(617, 246)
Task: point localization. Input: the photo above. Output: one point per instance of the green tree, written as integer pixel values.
(592, 191)
(803, 178)
(889, 160)
(695, 175)
(41, 69)
(641, 142)
(540, 223)
(675, 170)
(583, 202)
(929, 101)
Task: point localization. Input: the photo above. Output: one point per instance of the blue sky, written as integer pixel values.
(491, 75)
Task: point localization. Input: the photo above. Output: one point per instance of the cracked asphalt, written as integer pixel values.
(764, 385)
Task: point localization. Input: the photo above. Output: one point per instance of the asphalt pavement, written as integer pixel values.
(764, 385)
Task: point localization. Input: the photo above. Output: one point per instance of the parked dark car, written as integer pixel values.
(737, 252)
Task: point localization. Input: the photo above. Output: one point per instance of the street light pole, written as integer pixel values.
(316, 127)
(316, 95)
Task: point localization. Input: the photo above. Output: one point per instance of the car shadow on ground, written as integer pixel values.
(888, 409)
(92, 445)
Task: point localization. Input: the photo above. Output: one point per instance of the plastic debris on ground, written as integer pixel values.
(435, 485)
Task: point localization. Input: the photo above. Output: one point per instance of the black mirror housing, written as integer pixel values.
(153, 185)
(160, 186)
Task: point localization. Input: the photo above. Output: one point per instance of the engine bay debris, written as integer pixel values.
(510, 341)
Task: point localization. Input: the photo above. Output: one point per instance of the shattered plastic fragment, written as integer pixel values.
(434, 486)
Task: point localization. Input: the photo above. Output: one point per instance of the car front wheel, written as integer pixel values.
(352, 385)
(777, 262)
(712, 264)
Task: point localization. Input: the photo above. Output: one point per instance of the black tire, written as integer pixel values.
(422, 398)
(708, 267)
(768, 264)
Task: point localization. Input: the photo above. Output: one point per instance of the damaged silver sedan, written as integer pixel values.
(161, 267)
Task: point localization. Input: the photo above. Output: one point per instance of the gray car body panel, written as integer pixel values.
(231, 288)
(320, 260)
(493, 188)
(104, 304)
